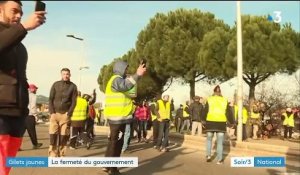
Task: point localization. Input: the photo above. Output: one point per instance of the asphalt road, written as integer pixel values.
(178, 161)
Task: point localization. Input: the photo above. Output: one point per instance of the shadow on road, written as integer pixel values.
(158, 164)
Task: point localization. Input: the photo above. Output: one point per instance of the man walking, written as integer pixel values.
(32, 117)
(62, 101)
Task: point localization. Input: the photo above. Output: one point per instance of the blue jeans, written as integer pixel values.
(163, 135)
(220, 139)
(142, 128)
(126, 137)
(186, 122)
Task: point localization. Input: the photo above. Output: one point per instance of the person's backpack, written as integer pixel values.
(92, 112)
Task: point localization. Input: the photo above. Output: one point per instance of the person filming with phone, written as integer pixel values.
(13, 80)
(119, 108)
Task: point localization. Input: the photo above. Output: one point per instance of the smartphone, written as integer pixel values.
(143, 61)
(40, 6)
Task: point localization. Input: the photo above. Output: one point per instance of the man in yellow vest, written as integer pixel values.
(78, 120)
(255, 120)
(163, 113)
(288, 123)
(155, 121)
(186, 117)
(244, 120)
(119, 107)
(216, 113)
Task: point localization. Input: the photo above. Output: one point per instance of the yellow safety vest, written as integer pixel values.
(153, 116)
(255, 115)
(217, 109)
(164, 110)
(289, 121)
(80, 110)
(97, 112)
(244, 115)
(118, 106)
(185, 114)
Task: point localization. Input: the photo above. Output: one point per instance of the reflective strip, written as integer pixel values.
(117, 104)
(80, 111)
(112, 117)
(114, 96)
(131, 80)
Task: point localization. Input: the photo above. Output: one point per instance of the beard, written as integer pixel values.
(6, 19)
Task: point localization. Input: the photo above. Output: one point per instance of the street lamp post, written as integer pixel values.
(239, 71)
(72, 36)
(81, 67)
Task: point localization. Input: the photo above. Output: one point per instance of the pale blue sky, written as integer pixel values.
(110, 29)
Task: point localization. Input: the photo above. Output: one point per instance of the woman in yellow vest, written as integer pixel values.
(216, 113)
(119, 107)
(288, 123)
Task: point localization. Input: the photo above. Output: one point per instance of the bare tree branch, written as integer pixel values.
(263, 77)
(201, 78)
(171, 81)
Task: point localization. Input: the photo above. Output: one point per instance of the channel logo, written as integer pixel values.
(277, 17)
(257, 162)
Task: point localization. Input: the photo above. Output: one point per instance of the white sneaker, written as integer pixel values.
(219, 162)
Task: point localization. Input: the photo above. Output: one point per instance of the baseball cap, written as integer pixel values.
(32, 86)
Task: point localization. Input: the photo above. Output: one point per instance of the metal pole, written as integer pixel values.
(239, 72)
(81, 60)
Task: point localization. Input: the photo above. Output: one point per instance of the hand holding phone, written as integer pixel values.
(142, 68)
(40, 6)
(143, 62)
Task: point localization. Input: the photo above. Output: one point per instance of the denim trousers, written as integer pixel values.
(126, 137)
(220, 140)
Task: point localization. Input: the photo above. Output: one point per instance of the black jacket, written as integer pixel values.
(196, 110)
(62, 97)
(13, 61)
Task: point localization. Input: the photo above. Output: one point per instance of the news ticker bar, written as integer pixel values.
(72, 162)
(257, 162)
(126, 162)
